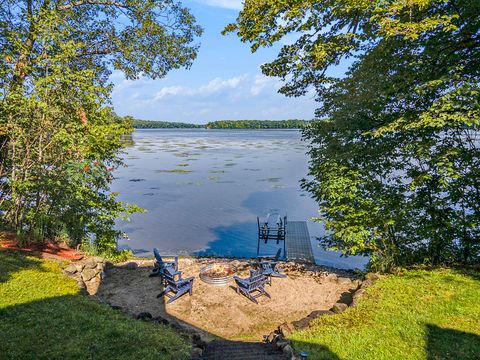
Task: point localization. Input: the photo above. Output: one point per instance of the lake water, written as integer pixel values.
(203, 190)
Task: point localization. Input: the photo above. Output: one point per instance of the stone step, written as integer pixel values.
(238, 350)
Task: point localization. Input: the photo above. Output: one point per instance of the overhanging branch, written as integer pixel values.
(91, 2)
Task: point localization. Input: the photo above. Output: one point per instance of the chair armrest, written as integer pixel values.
(240, 281)
(185, 281)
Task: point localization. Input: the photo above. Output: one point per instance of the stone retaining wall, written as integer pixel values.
(88, 273)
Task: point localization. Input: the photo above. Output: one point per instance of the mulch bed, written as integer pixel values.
(49, 250)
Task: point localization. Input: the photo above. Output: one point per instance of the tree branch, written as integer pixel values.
(91, 2)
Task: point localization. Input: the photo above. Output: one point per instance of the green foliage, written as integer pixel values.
(43, 316)
(59, 141)
(257, 124)
(92, 248)
(147, 124)
(394, 165)
(417, 314)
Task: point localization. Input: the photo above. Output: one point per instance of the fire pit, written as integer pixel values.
(218, 273)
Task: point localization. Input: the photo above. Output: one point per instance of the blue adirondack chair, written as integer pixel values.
(160, 265)
(253, 286)
(270, 268)
(175, 284)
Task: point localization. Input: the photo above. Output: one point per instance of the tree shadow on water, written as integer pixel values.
(237, 240)
(442, 344)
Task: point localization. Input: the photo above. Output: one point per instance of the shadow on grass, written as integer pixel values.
(62, 323)
(12, 262)
(472, 271)
(451, 344)
(316, 351)
(75, 327)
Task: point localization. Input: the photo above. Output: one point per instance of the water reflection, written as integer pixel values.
(204, 188)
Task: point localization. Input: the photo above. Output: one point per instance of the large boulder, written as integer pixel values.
(90, 263)
(372, 276)
(71, 269)
(302, 323)
(79, 266)
(339, 308)
(93, 285)
(332, 277)
(98, 260)
(286, 329)
(367, 283)
(344, 281)
(130, 265)
(356, 284)
(88, 274)
(357, 295)
(271, 337)
(317, 313)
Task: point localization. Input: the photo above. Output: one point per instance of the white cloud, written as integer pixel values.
(236, 97)
(262, 82)
(213, 86)
(218, 84)
(169, 90)
(227, 4)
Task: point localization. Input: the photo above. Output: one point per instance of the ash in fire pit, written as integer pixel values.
(218, 274)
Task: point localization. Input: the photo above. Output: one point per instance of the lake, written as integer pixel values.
(203, 190)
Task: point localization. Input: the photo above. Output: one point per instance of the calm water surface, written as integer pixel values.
(204, 188)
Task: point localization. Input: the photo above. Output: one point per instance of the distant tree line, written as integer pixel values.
(221, 124)
(257, 124)
(147, 124)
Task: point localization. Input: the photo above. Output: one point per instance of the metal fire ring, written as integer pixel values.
(220, 280)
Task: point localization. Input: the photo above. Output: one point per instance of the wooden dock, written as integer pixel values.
(298, 244)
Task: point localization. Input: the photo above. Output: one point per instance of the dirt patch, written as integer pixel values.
(8, 242)
(219, 310)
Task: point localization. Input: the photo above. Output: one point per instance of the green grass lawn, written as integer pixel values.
(418, 314)
(43, 316)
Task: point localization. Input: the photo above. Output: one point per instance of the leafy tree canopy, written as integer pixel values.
(59, 141)
(394, 167)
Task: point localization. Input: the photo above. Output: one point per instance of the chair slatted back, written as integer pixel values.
(170, 279)
(158, 257)
(256, 279)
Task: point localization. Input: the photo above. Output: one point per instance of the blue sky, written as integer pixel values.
(225, 81)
